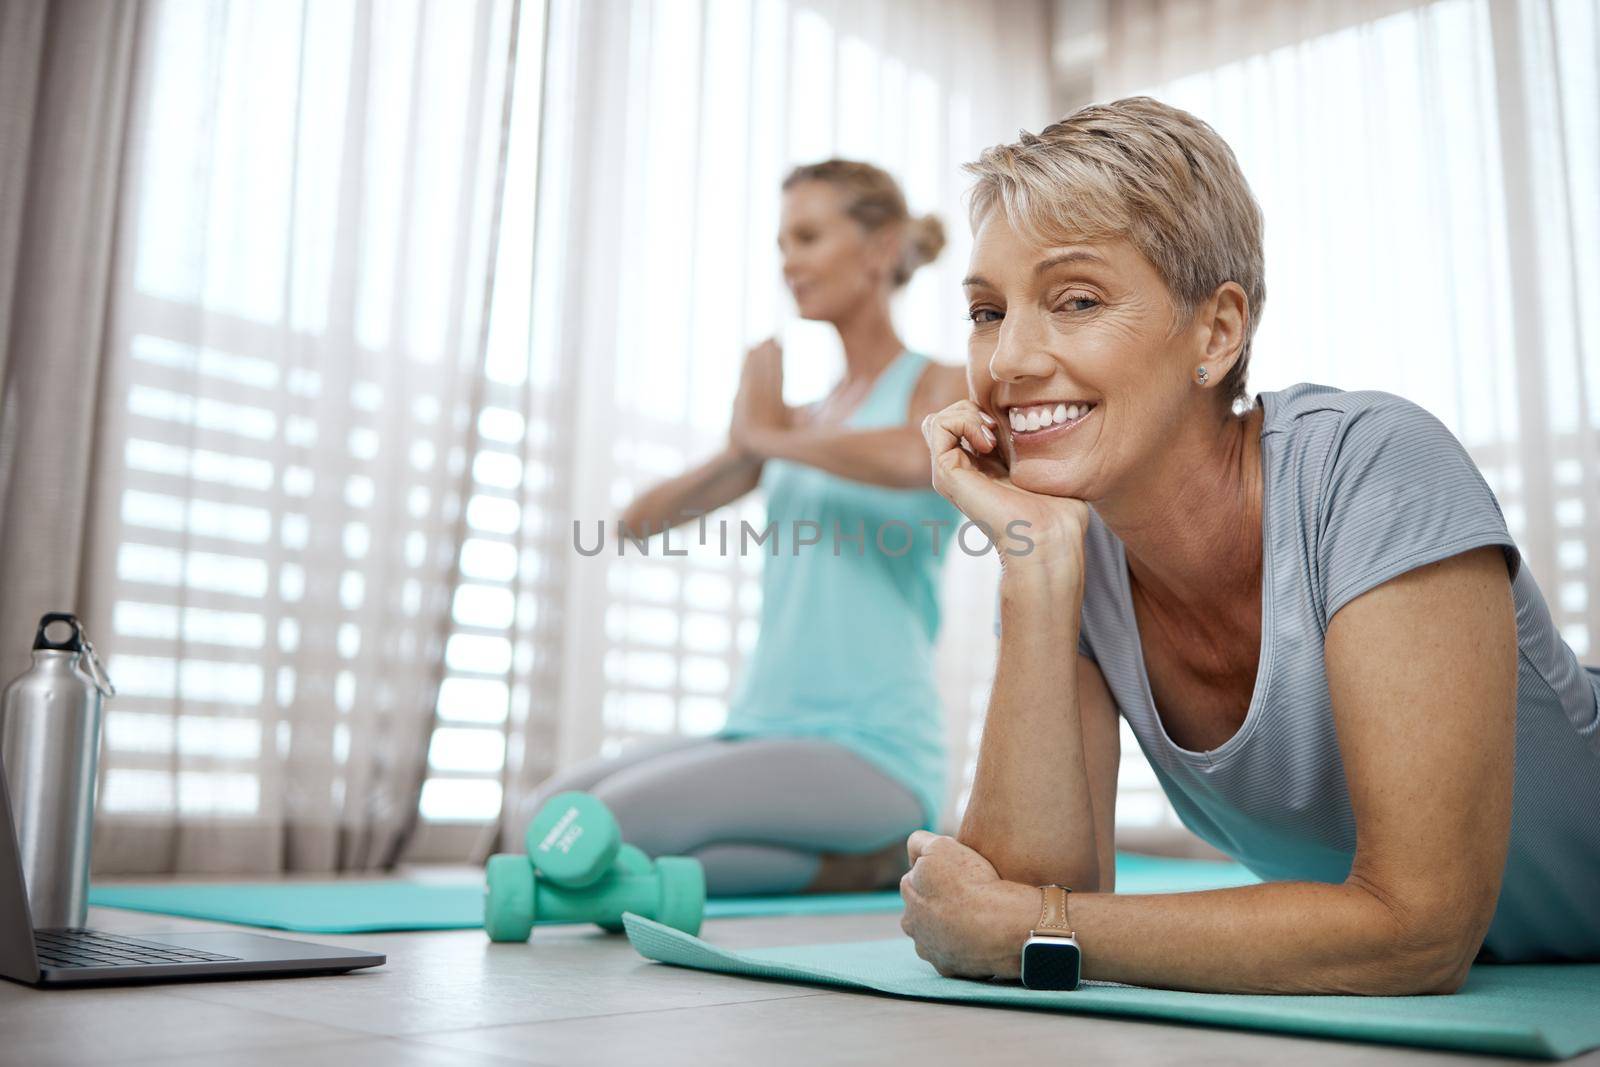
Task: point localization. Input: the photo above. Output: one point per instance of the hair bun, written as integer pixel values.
(924, 242)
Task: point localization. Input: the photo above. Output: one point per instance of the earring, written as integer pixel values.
(1203, 374)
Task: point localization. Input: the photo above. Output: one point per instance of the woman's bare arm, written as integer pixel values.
(731, 472)
(1425, 715)
(718, 481)
(1043, 798)
(895, 457)
(1043, 804)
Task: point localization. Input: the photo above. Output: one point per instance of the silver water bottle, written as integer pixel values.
(50, 745)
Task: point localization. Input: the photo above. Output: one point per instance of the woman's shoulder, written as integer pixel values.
(1337, 436)
(1376, 484)
(938, 385)
(1307, 408)
(932, 369)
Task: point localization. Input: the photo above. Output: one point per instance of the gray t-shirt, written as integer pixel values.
(1359, 488)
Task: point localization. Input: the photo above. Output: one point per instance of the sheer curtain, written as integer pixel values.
(1430, 178)
(291, 379)
(64, 74)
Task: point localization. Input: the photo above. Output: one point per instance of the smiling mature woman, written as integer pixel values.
(1308, 609)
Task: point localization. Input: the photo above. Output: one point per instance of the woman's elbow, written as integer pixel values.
(1031, 869)
(1425, 941)
(1436, 970)
(912, 466)
(912, 474)
(1401, 969)
(1428, 958)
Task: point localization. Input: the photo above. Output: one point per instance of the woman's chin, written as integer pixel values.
(1047, 477)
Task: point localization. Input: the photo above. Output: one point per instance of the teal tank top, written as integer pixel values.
(845, 648)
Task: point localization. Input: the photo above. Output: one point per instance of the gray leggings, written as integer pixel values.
(757, 813)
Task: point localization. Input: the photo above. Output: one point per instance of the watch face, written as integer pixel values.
(1051, 963)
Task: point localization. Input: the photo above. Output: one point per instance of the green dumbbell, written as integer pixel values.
(671, 890)
(630, 861)
(573, 840)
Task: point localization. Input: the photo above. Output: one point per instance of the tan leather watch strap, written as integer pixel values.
(1053, 918)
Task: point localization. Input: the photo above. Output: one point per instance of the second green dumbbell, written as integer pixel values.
(573, 840)
(671, 890)
(630, 861)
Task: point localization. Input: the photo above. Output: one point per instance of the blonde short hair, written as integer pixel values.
(873, 198)
(1141, 170)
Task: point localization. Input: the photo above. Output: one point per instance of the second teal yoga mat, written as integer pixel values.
(372, 906)
(375, 907)
(1549, 1012)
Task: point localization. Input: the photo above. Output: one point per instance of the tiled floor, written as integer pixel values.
(577, 996)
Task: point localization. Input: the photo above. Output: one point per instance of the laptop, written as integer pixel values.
(75, 957)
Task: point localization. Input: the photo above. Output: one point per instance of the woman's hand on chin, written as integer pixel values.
(965, 919)
(1031, 531)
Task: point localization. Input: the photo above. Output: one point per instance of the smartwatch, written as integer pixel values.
(1051, 958)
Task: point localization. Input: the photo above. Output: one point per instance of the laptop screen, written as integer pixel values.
(18, 955)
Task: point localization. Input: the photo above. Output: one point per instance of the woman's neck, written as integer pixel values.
(1192, 529)
(870, 341)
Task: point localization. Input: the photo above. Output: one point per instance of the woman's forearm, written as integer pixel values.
(1280, 937)
(1030, 812)
(896, 457)
(720, 480)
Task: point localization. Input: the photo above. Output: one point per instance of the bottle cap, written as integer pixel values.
(73, 643)
(77, 642)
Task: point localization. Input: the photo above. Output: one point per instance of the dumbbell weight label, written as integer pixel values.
(564, 834)
(573, 839)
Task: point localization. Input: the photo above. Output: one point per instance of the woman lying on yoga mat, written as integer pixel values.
(834, 746)
(1308, 609)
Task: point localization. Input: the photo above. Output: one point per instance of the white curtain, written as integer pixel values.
(1430, 178)
(291, 384)
(65, 69)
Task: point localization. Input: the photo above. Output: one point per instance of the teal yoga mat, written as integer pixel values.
(374, 906)
(371, 906)
(1549, 1012)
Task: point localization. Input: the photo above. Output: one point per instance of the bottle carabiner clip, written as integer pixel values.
(97, 671)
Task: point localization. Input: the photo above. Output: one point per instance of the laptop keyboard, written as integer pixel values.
(90, 948)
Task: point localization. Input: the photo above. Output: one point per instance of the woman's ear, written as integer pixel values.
(1226, 318)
